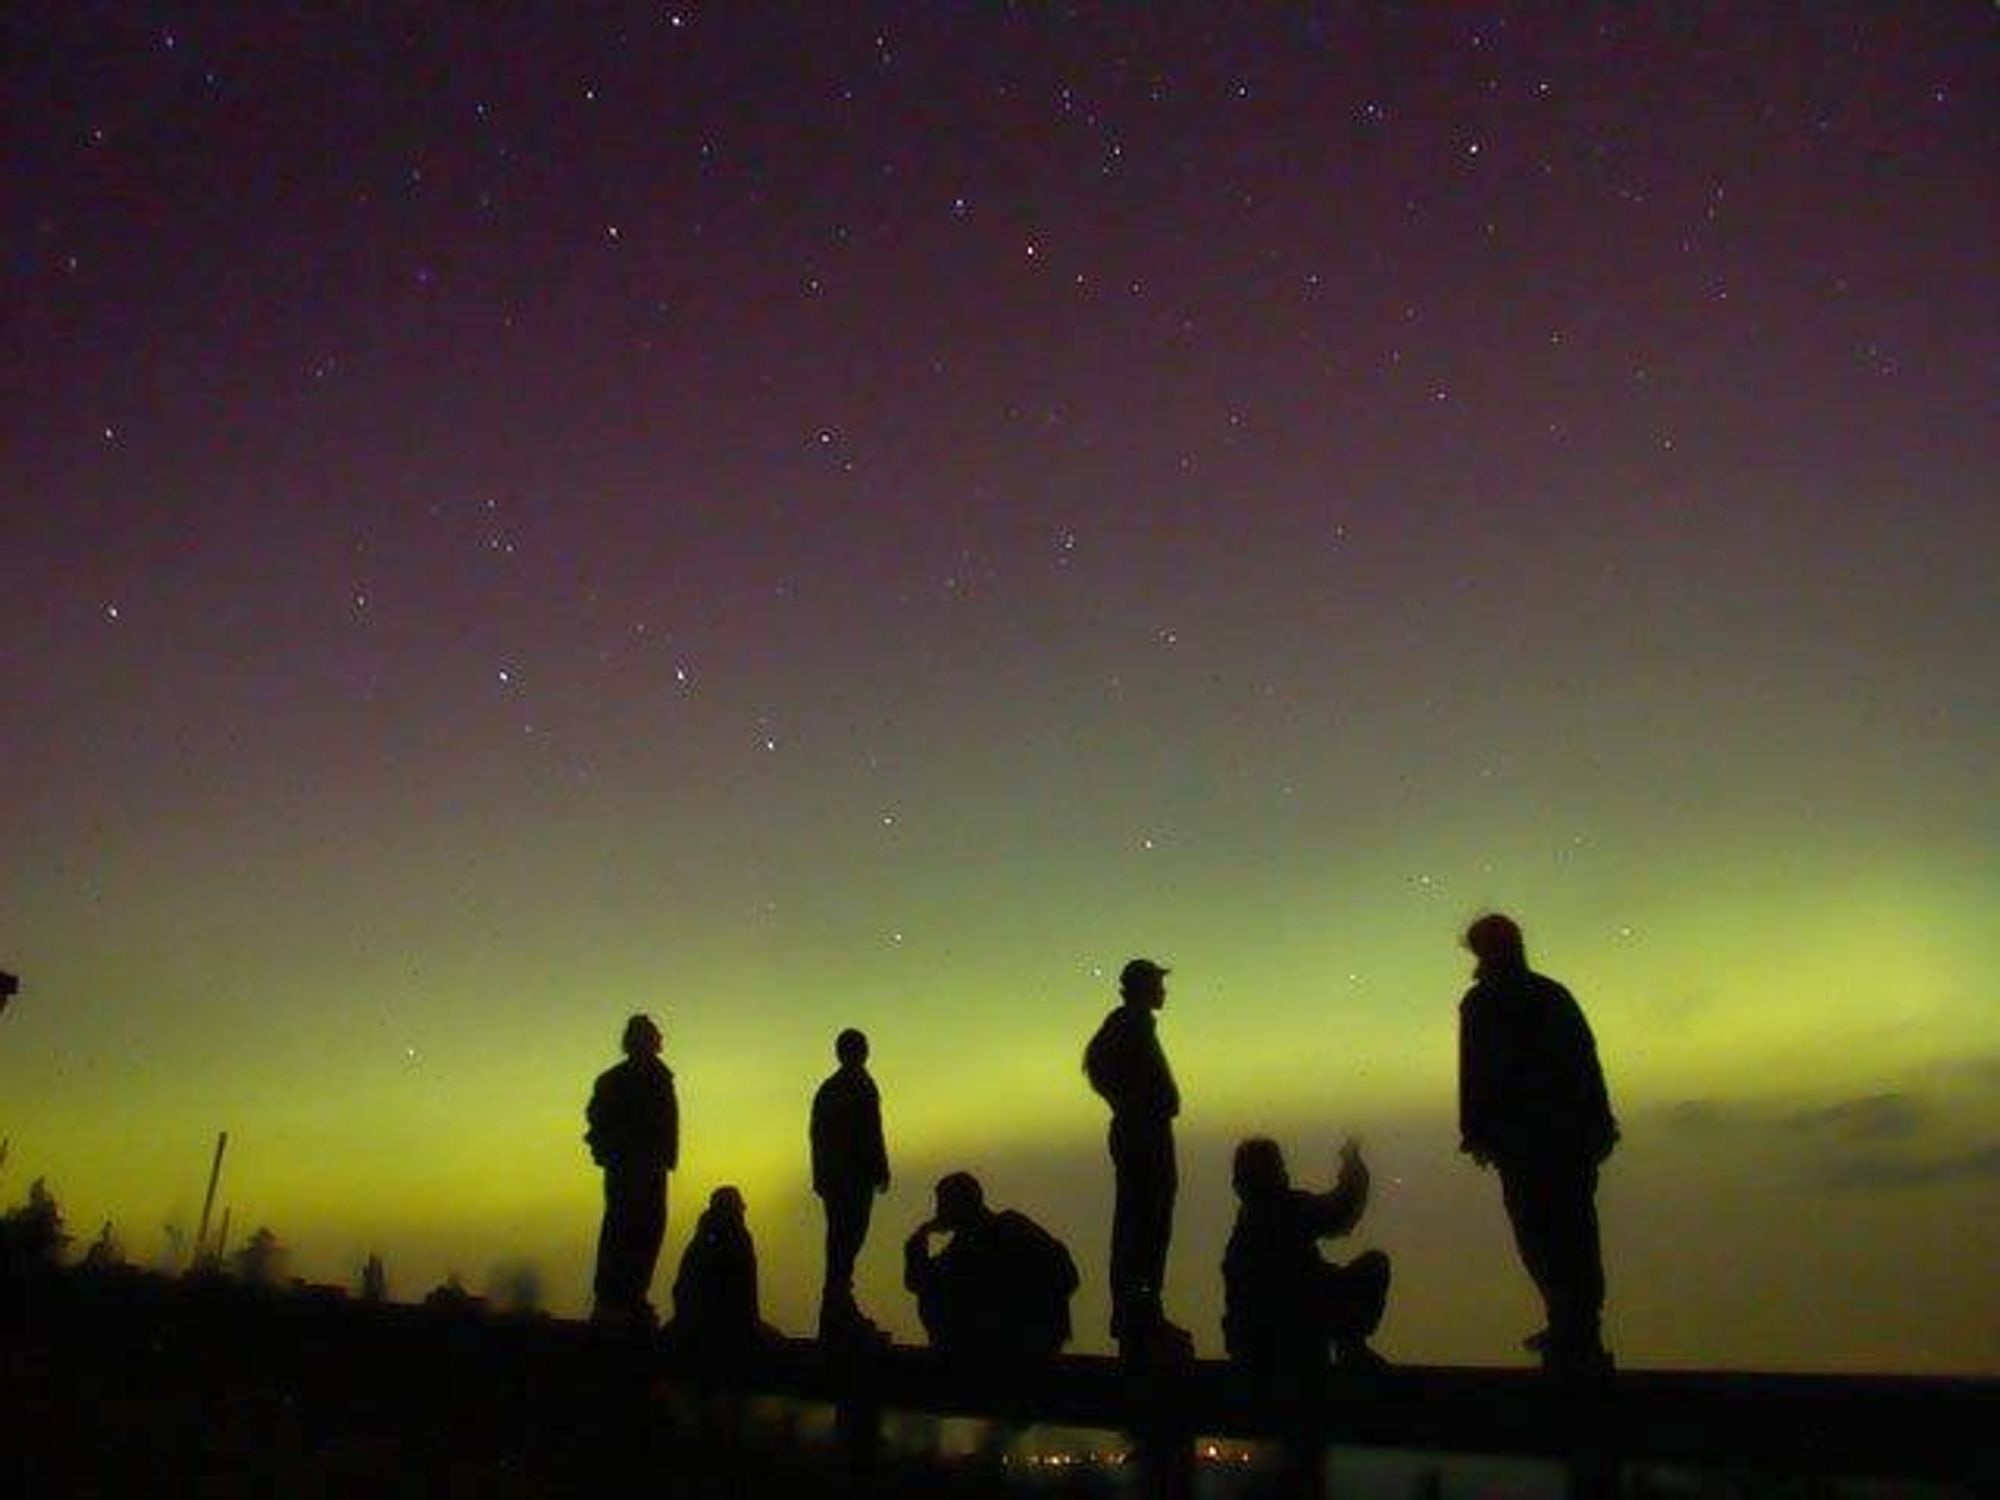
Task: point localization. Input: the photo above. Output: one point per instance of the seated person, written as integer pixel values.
(1284, 1303)
(1000, 1289)
(715, 1293)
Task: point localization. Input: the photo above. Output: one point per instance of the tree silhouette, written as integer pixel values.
(32, 1236)
(374, 1280)
(515, 1287)
(261, 1261)
(452, 1297)
(105, 1253)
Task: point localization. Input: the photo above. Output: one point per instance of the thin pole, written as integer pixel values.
(208, 1203)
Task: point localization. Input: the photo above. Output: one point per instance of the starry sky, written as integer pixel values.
(794, 516)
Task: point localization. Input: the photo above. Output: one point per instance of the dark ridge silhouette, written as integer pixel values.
(850, 1165)
(214, 1387)
(635, 1136)
(1127, 1067)
(1532, 1104)
(1284, 1304)
(998, 1293)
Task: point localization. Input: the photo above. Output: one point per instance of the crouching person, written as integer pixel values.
(1285, 1303)
(715, 1294)
(999, 1291)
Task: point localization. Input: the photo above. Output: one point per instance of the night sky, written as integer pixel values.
(796, 516)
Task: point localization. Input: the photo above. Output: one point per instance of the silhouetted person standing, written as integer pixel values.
(1283, 1302)
(1532, 1103)
(999, 1292)
(715, 1293)
(1126, 1066)
(635, 1135)
(850, 1165)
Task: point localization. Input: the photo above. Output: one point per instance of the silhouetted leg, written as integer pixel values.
(628, 1242)
(1354, 1298)
(1575, 1263)
(847, 1216)
(1142, 1158)
(936, 1313)
(1526, 1194)
(1554, 1214)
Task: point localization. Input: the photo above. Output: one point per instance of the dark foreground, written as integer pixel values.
(127, 1384)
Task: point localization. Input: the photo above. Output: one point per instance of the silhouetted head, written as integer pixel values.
(642, 1037)
(960, 1200)
(726, 1203)
(1143, 982)
(851, 1047)
(1259, 1169)
(1495, 941)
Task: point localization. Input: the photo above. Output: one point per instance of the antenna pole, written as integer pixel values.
(208, 1203)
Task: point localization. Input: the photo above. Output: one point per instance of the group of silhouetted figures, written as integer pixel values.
(993, 1286)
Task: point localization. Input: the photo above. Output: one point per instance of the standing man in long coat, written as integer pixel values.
(635, 1136)
(1533, 1105)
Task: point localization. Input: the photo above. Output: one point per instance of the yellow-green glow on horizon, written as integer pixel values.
(432, 1105)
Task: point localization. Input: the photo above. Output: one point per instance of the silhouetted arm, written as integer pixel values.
(1593, 1099)
(1339, 1208)
(1474, 1082)
(670, 1133)
(918, 1269)
(816, 1134)
(595, 1135)
(878, 1148)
